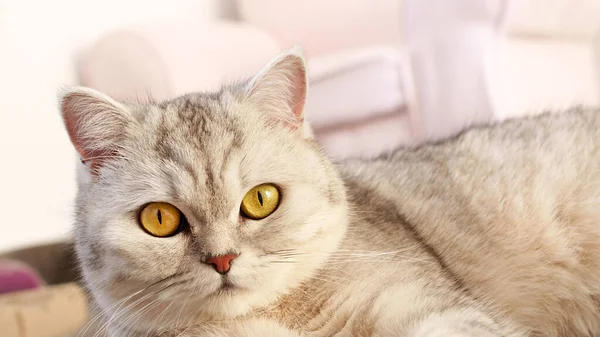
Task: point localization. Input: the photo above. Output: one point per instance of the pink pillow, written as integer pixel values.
(15, 276)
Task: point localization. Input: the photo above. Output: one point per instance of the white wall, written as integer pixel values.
(39, 41)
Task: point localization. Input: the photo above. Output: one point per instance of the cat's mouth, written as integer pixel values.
(228, 287)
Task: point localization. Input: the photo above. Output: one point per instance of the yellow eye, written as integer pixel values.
(160, 219)
(260, 201)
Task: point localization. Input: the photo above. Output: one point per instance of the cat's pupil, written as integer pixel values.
(159, 216)
(260, 199)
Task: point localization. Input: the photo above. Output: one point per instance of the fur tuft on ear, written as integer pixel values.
(94, 122)
(279, 90)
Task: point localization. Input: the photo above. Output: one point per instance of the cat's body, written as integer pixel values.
(508, 214)
(492, 233)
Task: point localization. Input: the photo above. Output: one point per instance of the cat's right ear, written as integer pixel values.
(94, 122)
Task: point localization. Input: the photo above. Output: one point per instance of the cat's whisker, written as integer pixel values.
(181, 333)
(178, 318)
(341, 259)
(177, 283)
(117, 312)
(102, 312)
(397, 258)
(177, 298)
(148, 288)
(281, 251)
(344, 253)
(373, 262)
(171, 300)
(378, 251)
(138, 314)
(154, 304)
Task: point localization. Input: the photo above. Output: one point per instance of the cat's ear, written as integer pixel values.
(94, 122)
(279, 90)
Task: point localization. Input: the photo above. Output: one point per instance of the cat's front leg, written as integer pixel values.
(463, 323)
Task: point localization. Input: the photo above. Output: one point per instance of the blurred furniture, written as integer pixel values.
(357, 97)
(382, 73)
(476, 61)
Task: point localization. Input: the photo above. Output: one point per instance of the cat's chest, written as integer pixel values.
(323, 307)
(351, 300)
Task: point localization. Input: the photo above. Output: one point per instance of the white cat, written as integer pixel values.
(218, 214)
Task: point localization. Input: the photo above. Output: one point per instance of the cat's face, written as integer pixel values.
(202, 154)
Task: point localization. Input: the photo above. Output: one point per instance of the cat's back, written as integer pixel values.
(512, 209)
(495, 149)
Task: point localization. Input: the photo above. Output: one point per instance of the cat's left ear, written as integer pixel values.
(279, 90)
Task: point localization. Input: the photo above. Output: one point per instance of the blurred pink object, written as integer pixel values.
(16, 276)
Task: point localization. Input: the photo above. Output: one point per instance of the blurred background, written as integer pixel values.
(383, 73)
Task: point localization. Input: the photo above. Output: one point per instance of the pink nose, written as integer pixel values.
(221, 263)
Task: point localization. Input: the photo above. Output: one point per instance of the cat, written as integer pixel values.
(218, 214)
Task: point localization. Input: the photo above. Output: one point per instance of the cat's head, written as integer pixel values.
(205, 206)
